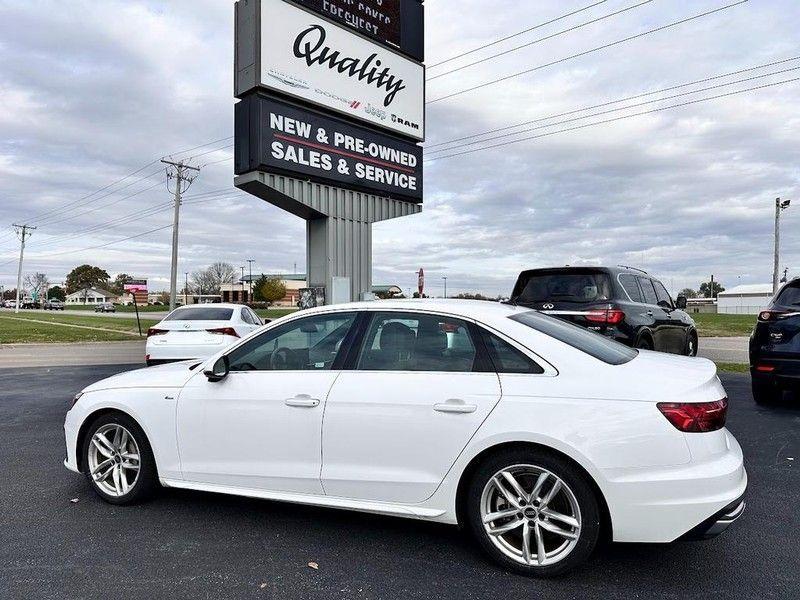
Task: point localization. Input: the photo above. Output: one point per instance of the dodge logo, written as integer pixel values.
(547, 307)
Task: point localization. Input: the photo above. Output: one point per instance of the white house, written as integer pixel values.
(90, 296)
(744, 299)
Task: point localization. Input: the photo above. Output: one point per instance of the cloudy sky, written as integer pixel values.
(93, 91)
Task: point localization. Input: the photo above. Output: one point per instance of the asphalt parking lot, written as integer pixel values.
(196, 545)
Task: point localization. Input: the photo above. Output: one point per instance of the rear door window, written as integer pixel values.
(631, 287)
(507, 359)
(650, 296)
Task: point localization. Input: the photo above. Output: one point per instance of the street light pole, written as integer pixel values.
(186, 290)
(780, 206)
(445, 286)
(250, 261)
(241, 282)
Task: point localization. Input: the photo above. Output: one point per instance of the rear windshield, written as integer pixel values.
(593, 344)
(200, 313)
(564, 287)
(790, 296)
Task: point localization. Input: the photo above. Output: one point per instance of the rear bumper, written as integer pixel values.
(786, 370)
(663, 505)
(717, 523)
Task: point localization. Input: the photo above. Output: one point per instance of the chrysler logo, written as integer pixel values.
(548, 306)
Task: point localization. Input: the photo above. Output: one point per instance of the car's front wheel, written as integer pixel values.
(533, 512)
(118, 459)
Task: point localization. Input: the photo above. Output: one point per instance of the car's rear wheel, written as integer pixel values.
(532, 512)
(118, 459)
(766, 392)
(692, 344)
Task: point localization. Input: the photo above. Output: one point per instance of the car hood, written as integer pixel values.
(173, 375)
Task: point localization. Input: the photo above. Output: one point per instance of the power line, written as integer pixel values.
(590, 51)
(613, 110)
(604, 104)
(513, 35)
(647, 112)
(540, 40)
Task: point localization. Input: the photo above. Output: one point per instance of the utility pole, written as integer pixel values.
(445, 287)
(780, 206)
(186, 290)
(241, 282)
(182, 174)
(250, 261)
(23, 233)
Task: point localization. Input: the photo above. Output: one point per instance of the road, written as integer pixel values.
(725, 349)
(196, 545)
(14, 356)
(157, 316)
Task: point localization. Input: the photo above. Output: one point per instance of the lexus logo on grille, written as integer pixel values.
(548, 306)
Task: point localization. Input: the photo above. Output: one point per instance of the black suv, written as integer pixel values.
(622, 303)
(775, 346)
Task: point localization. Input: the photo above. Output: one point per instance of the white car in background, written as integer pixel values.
(199, 331)
(538, 436)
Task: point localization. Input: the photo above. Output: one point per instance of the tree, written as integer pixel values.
(707, 291)
(163, 297)
(56, 293)
(117, 287)
(10, 294)
(269, 289)
(211, 279)
(37, 284)
(688, 293)
(86, 276)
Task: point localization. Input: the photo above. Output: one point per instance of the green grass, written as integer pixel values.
(120, 308)
(13, 331)
(733, 367)
(14, 321)
(711, 325)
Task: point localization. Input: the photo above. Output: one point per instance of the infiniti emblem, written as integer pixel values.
(548, 306)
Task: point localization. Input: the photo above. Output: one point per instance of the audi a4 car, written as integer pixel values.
(622, 303)
(775, 346)
(538, 436)
(198, 331)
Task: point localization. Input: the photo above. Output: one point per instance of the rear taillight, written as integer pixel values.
(224, 331)
(155, 331)
(774, 315)
(610, 316)
(696, 417)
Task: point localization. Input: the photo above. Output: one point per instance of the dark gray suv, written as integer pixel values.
(622, 303)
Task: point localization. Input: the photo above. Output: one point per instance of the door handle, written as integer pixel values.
(302, 401)
(455, 406)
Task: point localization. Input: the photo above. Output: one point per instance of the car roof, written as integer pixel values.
(470, 309)
(589, 268)
(211, 305)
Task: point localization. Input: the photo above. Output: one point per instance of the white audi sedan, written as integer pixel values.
(198, 331)
(537, 436)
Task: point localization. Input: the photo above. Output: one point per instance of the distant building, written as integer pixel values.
(91, 296)
(240, 292)
(744, 299)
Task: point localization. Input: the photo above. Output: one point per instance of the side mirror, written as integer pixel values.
(219, 370)
(681, 302)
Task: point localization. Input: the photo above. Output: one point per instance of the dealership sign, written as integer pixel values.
(308, 57)
(399, 23)
(135, 286)
(275, 136)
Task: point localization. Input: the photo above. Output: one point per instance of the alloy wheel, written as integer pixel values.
(114, 460)
(530, 515)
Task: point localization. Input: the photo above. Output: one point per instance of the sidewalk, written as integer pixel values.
(69, 355)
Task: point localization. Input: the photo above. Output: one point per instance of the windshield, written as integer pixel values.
(600, 347)
(200, 313)
(790, 296)
(564, 287)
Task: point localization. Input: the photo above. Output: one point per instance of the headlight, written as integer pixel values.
(75, 399)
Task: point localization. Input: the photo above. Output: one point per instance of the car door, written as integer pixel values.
(260, 427)
(657, 317)
(677, 328)
(395, 424)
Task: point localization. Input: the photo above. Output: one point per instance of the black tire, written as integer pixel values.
(692, 344)
(146, 482)
(766, 392)
(644, 343)
(574, 478)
